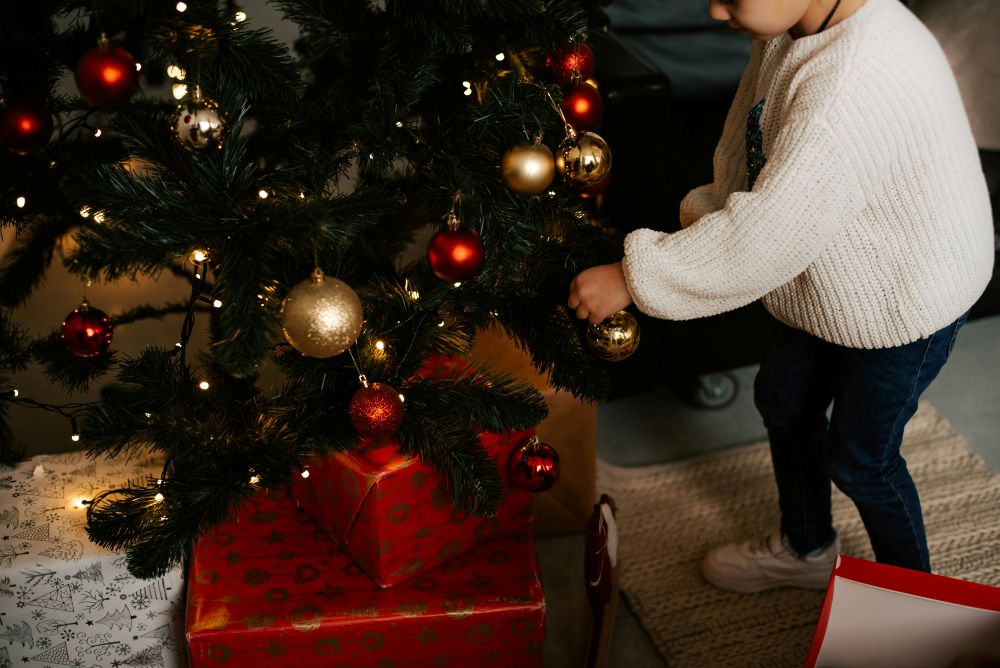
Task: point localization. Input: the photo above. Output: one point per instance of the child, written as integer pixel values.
(848, 195)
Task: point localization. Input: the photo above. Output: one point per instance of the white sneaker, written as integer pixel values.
(754, 566)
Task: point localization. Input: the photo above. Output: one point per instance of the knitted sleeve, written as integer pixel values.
(728, 162)
(759, 240)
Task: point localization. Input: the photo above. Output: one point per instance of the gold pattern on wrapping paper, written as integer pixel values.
(219, 653)
(486, 530)
(276, 595)
(425, 584)
(411, 608)
(398, 512)
(427, 635)
(259, 620)
(215, 619)
(306, 618)
(367, 611)
(329, 645)
(371, 640)
(500, 557)
(459, 606)
(305, 573)
(452, 565)
(222, 538)
(263, 517)
(418, 479)
(481, 633)
(255, 577)
(449, 550)
(414, 565)
(206, 576)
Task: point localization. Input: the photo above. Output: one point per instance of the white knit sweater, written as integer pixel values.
(869, 225)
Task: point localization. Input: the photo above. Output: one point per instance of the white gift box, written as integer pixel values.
(65, 601)
(879, 616)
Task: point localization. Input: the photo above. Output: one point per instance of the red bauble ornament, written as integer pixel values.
(87, 331)
(106, 75)
(570, 63)
(375, 410)
(534, 466)
(455, 253)
(25, 126)
(582, 105)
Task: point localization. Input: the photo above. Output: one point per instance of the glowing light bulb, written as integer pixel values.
(78, 503)
(217, 303)
(179, 90)
(254, 479)
(499, 56)
(181, 6)
(204, 385)
(17, 392)
(262, 194)
(158, 497)
(399, 124)
(241, 16)
(458, 284)
(305, 474)
(199, 255)
(380, 345)
(21, 202)
(468, 91)
(75, 437)
(402, 398)
(85, 212)
(138, 67)
(97, 132)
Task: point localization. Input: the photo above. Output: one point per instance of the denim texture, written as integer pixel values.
(874, 393)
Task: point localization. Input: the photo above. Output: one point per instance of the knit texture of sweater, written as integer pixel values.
(869, 224)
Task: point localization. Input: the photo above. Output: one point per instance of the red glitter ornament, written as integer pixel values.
(570, 63)
(87, 331)
(25, 127)
(376, 409)
(582, 105)
(534, 466)
(106, 75)
(455, 253)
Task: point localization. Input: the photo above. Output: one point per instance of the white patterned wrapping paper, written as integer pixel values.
(65, 601)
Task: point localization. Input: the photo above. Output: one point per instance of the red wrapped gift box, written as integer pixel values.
(394, 514)
(271, 589)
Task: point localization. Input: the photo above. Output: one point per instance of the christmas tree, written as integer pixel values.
(289, 189)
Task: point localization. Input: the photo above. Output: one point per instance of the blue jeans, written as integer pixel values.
(874, 393)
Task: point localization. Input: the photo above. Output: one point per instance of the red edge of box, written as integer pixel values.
(905, 581)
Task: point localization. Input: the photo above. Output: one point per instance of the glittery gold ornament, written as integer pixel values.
(583, 159)
(321, 316)
(615, 338)
(527, 169)
(198, 123)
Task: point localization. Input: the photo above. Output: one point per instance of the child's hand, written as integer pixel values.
(599, 292)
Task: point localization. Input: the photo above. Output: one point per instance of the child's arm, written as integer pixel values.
(807, 192)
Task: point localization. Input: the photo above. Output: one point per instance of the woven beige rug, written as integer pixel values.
(670, 514)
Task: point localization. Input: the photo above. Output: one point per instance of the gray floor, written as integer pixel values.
(656, 427)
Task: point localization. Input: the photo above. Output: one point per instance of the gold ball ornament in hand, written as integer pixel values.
(583, 159)
(321, 316)
(615, 338)
(527, 169)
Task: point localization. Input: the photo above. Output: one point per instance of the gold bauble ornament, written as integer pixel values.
(614, 338)
(527, 169)
(321, 316)
(583, 159)
(198, 123)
